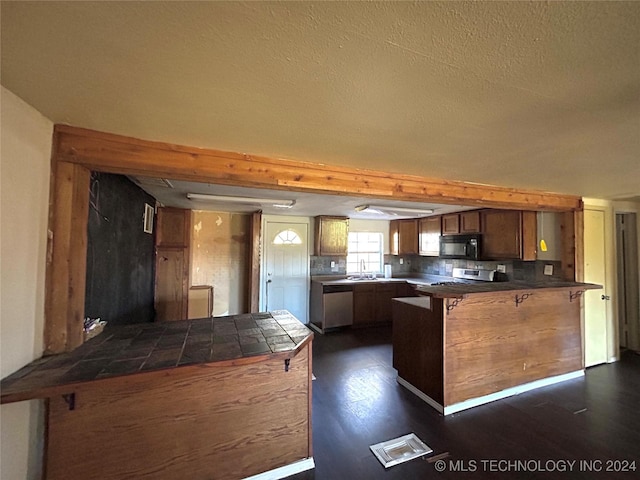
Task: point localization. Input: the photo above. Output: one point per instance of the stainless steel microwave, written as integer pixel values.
(460, 246)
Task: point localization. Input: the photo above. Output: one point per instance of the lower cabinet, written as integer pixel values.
(372, 302)
(384, 293)
(364, 302)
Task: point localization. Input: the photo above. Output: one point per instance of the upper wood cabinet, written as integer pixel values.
(172, 227)
(403, 235)
(463, 222)
(470, 222)
(429, 229)
(394, 237)
(450, 224)
(331, 235)
(508, 234)
(407, 237)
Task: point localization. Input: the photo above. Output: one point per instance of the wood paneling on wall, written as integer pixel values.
(120, 255)
(66, 258)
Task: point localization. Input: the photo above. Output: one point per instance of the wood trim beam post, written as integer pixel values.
(255, 233)
(568, 239)
(66, 264)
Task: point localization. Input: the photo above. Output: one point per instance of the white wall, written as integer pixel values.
(25, 153)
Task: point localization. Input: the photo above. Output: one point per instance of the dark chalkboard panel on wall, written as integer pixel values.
(120, 255)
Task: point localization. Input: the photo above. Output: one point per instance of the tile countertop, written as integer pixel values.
(462, 289)
(145, 347)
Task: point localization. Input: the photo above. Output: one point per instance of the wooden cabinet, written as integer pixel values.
(463, 222)
(429, 236)
(405, 289)
(408, 237)
(508, 234)
(372, 302)
(394, 237)
(171, 292)
(331, 235)
(364, 303)
(470, 222)
(172, 229)
(403, 235)
(450, 224)
(172, 264)
(384, 293)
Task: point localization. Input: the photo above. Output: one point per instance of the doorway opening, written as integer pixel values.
(628, 289)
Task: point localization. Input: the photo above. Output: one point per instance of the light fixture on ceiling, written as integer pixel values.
(394, 211)
(274, 202)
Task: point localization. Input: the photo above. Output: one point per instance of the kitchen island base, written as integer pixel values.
(457, 350)
(476, 402)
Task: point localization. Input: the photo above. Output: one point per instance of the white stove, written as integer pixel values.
(462, 276)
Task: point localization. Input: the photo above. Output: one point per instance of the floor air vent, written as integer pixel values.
(399, 450)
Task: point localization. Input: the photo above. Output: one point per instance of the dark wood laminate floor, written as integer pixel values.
(357, 402)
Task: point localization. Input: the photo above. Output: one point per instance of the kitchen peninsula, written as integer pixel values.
(213, 398)
(463, 345)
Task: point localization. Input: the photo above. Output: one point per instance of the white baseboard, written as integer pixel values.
(492, 397)
(285, 471)
(313, 326)
(420, 394)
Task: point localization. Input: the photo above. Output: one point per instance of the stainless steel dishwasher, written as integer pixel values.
(338, 305)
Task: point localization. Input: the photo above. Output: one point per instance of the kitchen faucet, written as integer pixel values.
(362, 268)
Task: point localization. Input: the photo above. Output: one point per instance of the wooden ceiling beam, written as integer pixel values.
(107, 152)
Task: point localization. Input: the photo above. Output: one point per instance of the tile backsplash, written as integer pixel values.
(322, 265)
(532, 271)
(411, 264)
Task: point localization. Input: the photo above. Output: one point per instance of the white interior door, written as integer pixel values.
(595, 307)
(286, 268)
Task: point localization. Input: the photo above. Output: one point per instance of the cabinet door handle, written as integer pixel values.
(605, 297)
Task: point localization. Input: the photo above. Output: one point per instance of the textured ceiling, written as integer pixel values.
(540, 95)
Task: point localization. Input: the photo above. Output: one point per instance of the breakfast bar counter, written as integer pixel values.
(464, 345)
(226, 397)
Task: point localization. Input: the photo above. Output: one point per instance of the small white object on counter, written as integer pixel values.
(387, 271)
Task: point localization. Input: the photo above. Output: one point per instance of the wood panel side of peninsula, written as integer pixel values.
(460, 352)
(491, 344)
(221, 422)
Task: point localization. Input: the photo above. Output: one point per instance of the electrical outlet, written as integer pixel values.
(502, 269)
(548, 269)
(333, 264)
(401, 261)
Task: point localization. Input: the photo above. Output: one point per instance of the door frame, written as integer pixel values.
(622, 207)
(263, 258)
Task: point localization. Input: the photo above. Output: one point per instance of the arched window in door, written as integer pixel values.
(287, 237)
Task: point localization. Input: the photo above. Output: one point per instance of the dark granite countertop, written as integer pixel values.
(146, 347)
